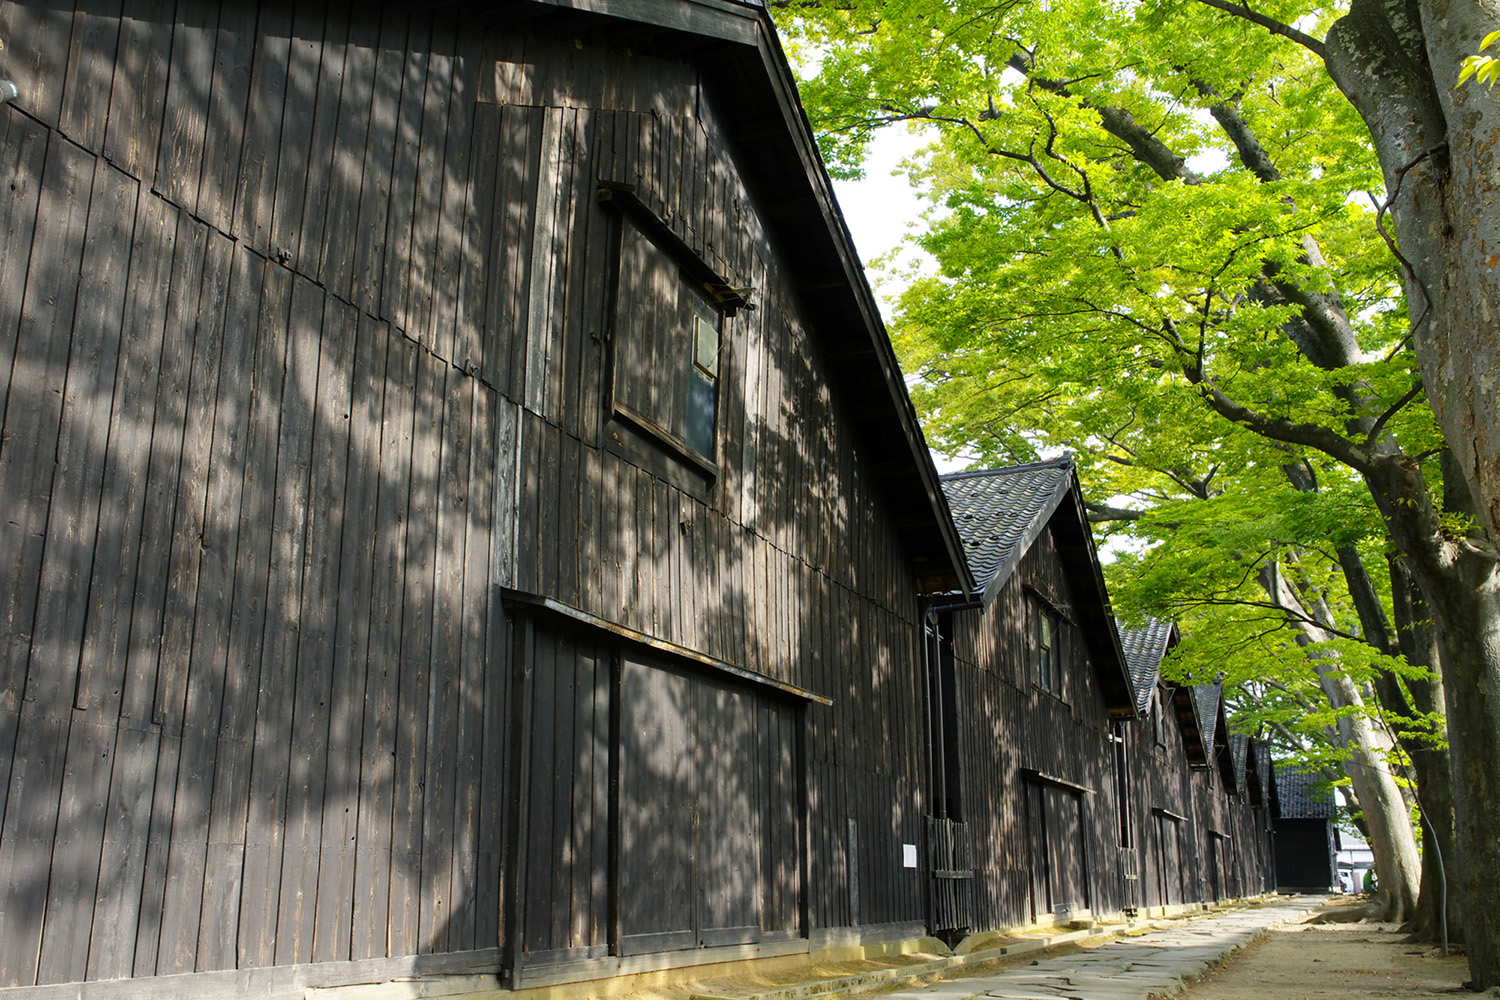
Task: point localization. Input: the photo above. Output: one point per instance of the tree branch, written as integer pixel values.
(1120, 123)
(1099, 513)
(1275, 27)
(1391, 411)
(1277, 428)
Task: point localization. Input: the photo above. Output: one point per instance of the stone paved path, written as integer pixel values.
(1152, 964)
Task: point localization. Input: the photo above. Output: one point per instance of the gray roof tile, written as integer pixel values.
(1144, 649)
(1206, 702)
(1239, 746)
(1299, 795)
(1000, 512)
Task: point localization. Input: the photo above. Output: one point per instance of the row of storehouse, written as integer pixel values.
(461, 515)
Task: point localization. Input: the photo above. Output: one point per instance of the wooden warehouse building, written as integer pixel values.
(463, 516)
(1306, 837)
(1078, 780)
(1200, 829)
(1028, 684)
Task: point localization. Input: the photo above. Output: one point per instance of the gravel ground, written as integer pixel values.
(1360, 961)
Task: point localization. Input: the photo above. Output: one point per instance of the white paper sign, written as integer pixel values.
(908, 855)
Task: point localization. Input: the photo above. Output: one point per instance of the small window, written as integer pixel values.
(666, 349)
(1047, 659)
(667, 344)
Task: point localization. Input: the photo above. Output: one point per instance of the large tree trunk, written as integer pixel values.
(1460, 583)
(1464, 596)
(1392, 841)
(1419, 697)
(1396, 61)
(1459, 350)
(1431, 768)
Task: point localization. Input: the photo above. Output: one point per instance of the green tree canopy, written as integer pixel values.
(1162, 238)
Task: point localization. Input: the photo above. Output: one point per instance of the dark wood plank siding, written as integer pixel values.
(1012, 728)
(234, 520)
(304, 331)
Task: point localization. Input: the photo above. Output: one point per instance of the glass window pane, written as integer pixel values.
(706, 347)
(702, 400)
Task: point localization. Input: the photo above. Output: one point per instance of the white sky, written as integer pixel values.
(880, 211)
(881, 208)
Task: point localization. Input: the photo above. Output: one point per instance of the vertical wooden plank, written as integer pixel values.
(185, 115)
(373, 855)
(137, 101)
(666, 536)
(9, 722)
(296, 153)
(687, 584)
(224, 145)
(73, 515)
(412, 743)
(592, 568)
(395, 283)
(497, 812)
(225, 893)
(468, 897)
(111, 949)
(340, 51)
(429, 172)
(621, 527)
(351, 117)
(146, 928)
(117, 545)
(197, 612)
(607, 502)
(547, 245)
(270, 860)
(23, 154)
(255, 190)
(37, 38)
(174, 507)
(602, 831)
(532, 506)
(26, 846)
(479, 217)
(508, 482)
(380, 148)
(91, 63)
(563, 779)
(507, 319)
(566, 489)
(563, 336)
(443, 705)
(539, 847)
(648, 564)
(73, 872)
(311, 799)
(352, 647)
(464, 208)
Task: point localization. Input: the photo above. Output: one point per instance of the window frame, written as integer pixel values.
(1047, 661)
(710, 291)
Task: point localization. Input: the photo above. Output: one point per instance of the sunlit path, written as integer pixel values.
(1133, 968)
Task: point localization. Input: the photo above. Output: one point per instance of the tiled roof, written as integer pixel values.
(1206, 702)
(1239, 746)
(1000, 512)
(1144, 648)
(1299, 794)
